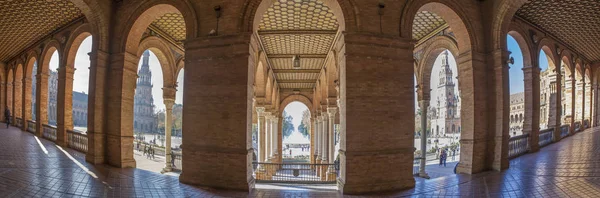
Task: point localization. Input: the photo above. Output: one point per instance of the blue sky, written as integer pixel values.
(81, 76)
(516, 70)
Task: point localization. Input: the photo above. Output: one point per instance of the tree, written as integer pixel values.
(304, 127)
(288, 127)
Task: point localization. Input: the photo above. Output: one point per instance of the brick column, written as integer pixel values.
(219, 74)
(573, 100)
(9, 98)
(41, 105)
(595, 105)
(26, 101)
(96, 133)
(583, 95)
(588, 102)
(169, 102)
(313, 136)
(531, 123)
(64, 104)
(276, 131)
(325, 138)
(556, 104)
(377, 120)
(268, 136)
(17, 91)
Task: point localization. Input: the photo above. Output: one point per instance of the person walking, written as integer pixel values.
(7, 116)
(172, 158)
(144, 147)
(444, 156)
(441, 157)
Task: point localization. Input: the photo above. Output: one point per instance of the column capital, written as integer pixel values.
(260, 111)
(331, 111)
(169, 102)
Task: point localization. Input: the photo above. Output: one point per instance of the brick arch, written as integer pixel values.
(165, 57)
(51, 47)
(502, 20)
(32, 57)
(524, 46)
(451, 12)
(99, 20)
(180, 65)
(27, 86)
(296, 98)
(566, 57)
(344, 10)
(547, 46)
(435, 47)
(145, 14)
(260, 81)
(74, 42)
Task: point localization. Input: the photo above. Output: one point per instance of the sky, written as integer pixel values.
(81, 76)
(516, 70)
(295, 110)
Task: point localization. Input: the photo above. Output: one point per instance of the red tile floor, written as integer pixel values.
(569, 168)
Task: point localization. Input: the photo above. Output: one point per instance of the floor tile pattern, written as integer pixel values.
(569, 168)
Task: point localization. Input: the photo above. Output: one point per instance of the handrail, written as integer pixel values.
(19, 122)
(564, 131)
(545, 137)
(266, 172)
(49, 132)
(518, 145)
(31, 126)
(77, 141)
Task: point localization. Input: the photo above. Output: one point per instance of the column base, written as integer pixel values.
(424, 175)
(166, 169)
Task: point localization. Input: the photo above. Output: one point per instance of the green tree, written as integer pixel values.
(304, 127)
(288, 127)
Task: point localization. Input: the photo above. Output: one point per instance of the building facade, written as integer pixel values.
(80, 107)
(517, 110)
(445, 119)
(145, 119)
(52, 97)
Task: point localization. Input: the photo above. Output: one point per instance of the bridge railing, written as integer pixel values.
(49, 132)
(31, 126)
(77, 141)
(546, 137)
(564, 131)
(177, 155)
(586, 124)
(295, 173)
(518, 145)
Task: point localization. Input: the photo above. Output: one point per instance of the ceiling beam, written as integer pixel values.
(296, 89)
(271, 32)
(297, 71)
(300, 55)
(297, 81)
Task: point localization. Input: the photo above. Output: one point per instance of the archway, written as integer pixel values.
(180, 23)
(29, 83)
(46, 89)
(568, 93)
(80, 84)
(432, 18)
(519, 49)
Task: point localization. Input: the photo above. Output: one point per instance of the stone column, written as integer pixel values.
(268, 136)
(325, 145)
(64, 104)
(531, 123)
(583, 95)
(169, 102)
(424, 107)
(261, 134)
(573, 98)
(595, 105)
(317, 134)
(312, 141)
(276, 131)
(331, 111)
(9, 97)
(589, 101)
(556, 102)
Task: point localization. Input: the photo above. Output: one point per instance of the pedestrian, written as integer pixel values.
(152, 153)
(172, 159)
(144, 147)
(7, 116)
(444, 156)
(453, 154)
(440, 157)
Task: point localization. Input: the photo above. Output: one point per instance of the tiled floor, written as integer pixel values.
(569, 168)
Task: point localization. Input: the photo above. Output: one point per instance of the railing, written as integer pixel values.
(564, 131)
(19, 122)
(49, 132)
(518, 145)
(577, 126)
(586, 124)
(31, 126)
(295, 173)
(177, 156)
(416, 166)
(546, 137)
(77, 141)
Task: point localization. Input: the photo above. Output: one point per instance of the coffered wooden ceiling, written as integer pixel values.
(575, 22)
(171, 24)
(24, 22)
(426, 23)
(305, 28)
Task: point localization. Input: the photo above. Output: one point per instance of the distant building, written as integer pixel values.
(80, 107)
(444, 115)
(145, 119)
(517, 110)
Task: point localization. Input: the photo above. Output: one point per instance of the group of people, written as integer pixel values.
(148, 151)
(443, 155)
